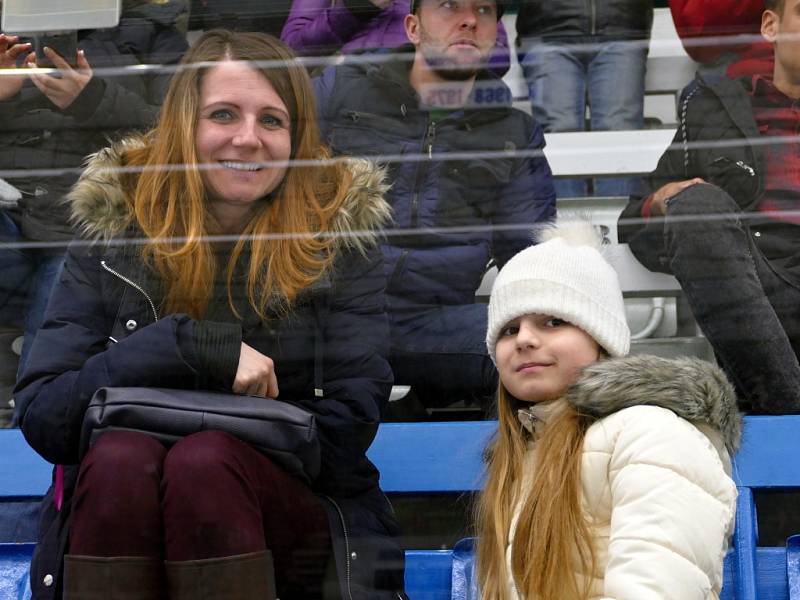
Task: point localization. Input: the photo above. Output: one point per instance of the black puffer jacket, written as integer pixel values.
(42, 148)
(568, 19)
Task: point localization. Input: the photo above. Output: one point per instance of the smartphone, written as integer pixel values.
(65, 43)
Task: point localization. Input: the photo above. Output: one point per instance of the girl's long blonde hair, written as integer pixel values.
(286, 234)
(551, 533)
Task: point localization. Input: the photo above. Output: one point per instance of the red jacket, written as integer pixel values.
(701, 21)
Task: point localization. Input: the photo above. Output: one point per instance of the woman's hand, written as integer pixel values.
(62, 90)
(255, 375)
(10, 51)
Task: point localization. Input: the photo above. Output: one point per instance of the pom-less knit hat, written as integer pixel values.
(564, 276)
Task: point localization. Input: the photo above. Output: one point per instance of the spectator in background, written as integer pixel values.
(289, 300)
(574, 51)
(49, 124)
(322, 27)
(720, 212)
(468, 183)
(724, 36)
(267, 16)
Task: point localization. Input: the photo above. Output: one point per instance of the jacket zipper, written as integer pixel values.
(593, 10)
(346, 545)
(429, 136)
(422, 169)
(133, 284)
(427, 147)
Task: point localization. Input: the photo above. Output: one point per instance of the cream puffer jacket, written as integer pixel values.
(656, 482)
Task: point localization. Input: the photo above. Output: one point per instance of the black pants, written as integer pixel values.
(749, 313)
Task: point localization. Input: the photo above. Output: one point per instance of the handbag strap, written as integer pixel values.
(321, 290)
(58, 484)
(319, 392)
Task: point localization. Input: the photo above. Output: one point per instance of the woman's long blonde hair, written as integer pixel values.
(551, 532)
(286, 233)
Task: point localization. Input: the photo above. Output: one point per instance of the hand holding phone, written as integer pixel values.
(62, 90)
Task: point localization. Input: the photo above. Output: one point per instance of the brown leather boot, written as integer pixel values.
(113, 578)
(241, 577)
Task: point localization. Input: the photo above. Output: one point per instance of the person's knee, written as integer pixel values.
(201, 459)
(204, 448)
(701, 199)
(699, 209)
(126, 453)
(703, 234)
(120, 475)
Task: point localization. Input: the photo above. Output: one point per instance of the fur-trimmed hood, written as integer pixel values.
(100, 210)
(693, 389)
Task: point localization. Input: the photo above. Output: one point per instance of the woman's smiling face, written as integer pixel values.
(243, 125)
(540, 356)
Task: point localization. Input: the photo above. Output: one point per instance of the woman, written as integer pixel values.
(290, 263)
(609, 477)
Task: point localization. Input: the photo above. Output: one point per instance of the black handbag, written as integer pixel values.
(282, 431)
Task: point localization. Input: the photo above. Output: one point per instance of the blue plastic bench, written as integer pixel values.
(446, 457)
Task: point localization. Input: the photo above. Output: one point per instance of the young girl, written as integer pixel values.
(609, 476)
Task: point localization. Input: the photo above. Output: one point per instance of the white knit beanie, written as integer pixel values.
(564, 276)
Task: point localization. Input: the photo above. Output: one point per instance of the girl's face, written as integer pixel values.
(242, 125)
(539, 356)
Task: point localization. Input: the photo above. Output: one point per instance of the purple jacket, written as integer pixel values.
(319, 27)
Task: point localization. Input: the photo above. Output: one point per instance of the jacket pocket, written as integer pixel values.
(736, 177)
(469, 189)
(367, 135)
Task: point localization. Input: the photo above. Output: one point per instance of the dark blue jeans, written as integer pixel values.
(748, 311)
(441, 352)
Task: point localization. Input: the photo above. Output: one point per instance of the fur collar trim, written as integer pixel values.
(100, 210)
(691, 388)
